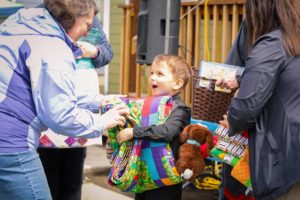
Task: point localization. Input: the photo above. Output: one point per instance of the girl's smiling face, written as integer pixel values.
(161, 80)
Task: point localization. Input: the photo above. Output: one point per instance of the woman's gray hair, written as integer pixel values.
(68, 11)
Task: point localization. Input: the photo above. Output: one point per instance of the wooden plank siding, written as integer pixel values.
(115, 39)
(206, 33)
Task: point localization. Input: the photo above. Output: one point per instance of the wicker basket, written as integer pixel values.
(207, 104)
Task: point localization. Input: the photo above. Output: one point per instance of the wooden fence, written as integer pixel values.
(207, 31)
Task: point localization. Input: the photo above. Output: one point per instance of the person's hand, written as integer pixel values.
(88, 50)
(115, 116)
(224, 122)
(228, 84)
(109, 150)
(107, 98)
(125, 135)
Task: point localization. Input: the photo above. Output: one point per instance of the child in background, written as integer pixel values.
(168, 77)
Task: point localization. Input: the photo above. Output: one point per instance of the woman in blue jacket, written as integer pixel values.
(268, 102)
(37, 64)
(63, 156)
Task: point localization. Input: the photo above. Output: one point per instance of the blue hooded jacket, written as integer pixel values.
(37, 68)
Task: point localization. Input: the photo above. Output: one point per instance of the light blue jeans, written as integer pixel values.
(22, 177)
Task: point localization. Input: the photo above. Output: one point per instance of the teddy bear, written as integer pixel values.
(191, 163)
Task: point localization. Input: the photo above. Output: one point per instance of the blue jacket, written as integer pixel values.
(37, 68)
(105, 50)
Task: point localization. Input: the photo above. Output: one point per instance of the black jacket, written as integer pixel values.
(168, 131)
(238, 52)
(237, 56)
(268, 105)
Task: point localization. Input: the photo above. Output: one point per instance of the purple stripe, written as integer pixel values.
(159, 183)
(19, 101)
(13, 134)
(145, 143)
(125, 100)
(17, 110)
(145, 121)
(155, 104)
(134, 182)
(172, 162)
(154, 108)
(158, 153)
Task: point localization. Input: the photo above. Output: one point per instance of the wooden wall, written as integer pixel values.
(207, 32)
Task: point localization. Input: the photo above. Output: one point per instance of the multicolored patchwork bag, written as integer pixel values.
(143, 164)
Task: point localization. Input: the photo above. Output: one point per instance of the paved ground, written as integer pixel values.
(95, 185)
(94, 192)
(95, 182)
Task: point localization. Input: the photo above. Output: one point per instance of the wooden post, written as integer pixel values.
(189, 46)
(181, 33)
(148, 88)
(133, 34)
(127, 51)
(235, 22)
(138, 80)
(216, 38)
(206, 34)
(197, 37)
(225, 29)
(122, 52)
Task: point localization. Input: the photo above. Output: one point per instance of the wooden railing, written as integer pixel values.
(206, 33)
(126, 47)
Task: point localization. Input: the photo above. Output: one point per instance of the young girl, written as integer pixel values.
(169, 75)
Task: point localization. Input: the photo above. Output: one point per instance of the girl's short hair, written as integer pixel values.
(179, 68)
(68, 11)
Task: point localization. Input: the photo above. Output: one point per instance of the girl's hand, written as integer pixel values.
(125, 135)
(115, 116)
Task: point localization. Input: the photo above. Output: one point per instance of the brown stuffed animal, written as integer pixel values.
(191, 163)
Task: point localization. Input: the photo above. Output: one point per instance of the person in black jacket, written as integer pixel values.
(236, 56)
(268, 102)
(230, 188)
(169, 75)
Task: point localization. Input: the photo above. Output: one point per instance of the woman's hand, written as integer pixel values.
(88, 50)
(125, 135)
(115, 116)
(227, 84)
(224, 122)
